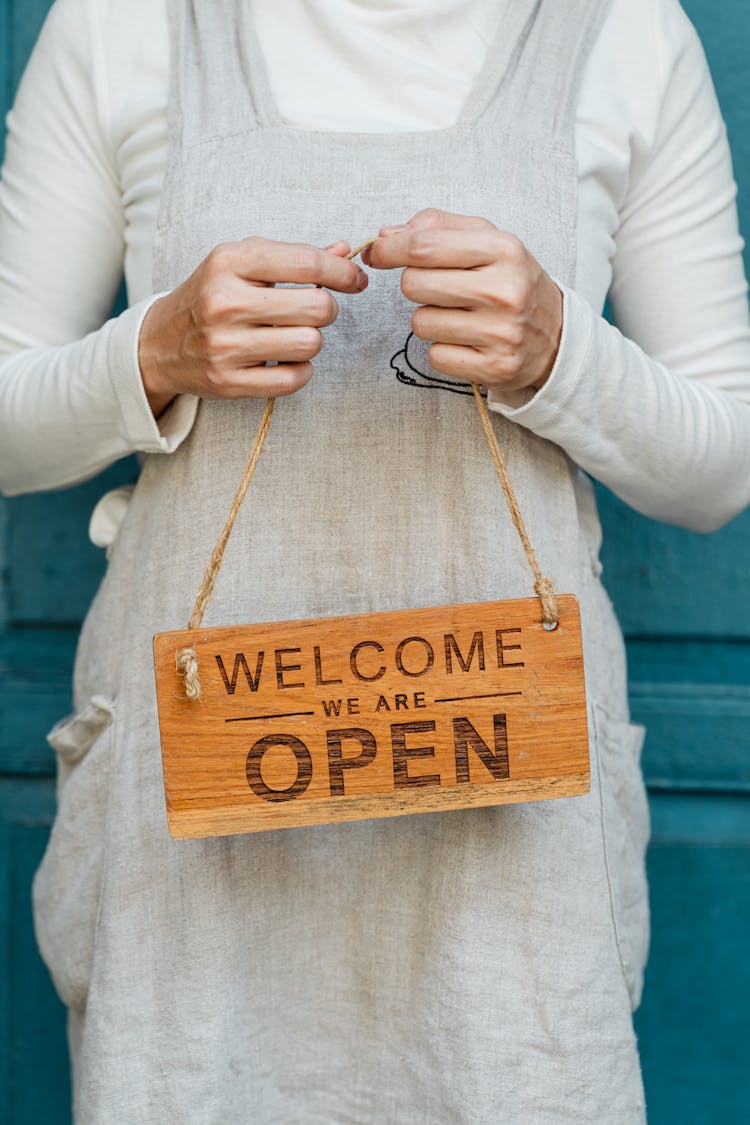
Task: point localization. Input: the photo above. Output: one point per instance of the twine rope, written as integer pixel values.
(544, 588)
(186, 659)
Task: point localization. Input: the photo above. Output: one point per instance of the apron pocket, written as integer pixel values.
(67, 884)
(625, 830)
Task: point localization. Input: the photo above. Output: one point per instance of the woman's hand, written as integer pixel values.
(213, 335)
(493, 313)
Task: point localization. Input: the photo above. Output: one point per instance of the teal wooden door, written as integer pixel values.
(684, 604)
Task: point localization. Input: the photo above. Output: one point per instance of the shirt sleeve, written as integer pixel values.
(658, 408)
(71, 395)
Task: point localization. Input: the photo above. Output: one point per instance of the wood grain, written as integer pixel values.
(372, 715)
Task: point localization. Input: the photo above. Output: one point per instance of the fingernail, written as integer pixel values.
(385, 231)
(362, 281)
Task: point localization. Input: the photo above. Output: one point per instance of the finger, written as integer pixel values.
(454, 326)
(458, 362)
(448, 289)
(283, 345)
(240, 347)
(433, 218)
(444, 249)
(366, 254)
(240, 303)
(261, 259)
(264, 381)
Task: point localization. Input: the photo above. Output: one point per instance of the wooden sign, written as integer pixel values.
(345, 718)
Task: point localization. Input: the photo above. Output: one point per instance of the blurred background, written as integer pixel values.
(684, 602)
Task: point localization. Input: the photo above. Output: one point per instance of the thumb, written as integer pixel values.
(339, 248)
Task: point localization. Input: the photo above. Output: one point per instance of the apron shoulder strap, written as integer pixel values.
(539, 87)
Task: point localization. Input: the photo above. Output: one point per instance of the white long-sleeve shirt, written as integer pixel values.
(662, 417)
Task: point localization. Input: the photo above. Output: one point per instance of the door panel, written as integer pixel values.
(34, 1078)
(52, 528)
(694, 1025)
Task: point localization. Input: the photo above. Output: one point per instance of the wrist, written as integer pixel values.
(554, 304)
(155, 384)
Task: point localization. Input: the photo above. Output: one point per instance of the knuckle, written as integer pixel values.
(217, 260)
(255, 251)
(484, 287)
(216, 376)
(512, 335)
(504, 368)
(436, 357)
(499, 243)
(409, 284)
(431, 216)
(323, 308)
(422, 245)
(210, 306)
(214, 342)
(514, 365)
(419, 324)
(511, 246)
(310, 341)
(284, 382)
(287, 380)
(495, 367)
(307, 264)
(519, 294)
(333, 307)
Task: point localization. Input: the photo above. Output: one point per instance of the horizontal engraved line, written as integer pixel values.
(254, 718)
(490, 695)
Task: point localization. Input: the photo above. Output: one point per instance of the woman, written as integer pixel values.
(475, 966)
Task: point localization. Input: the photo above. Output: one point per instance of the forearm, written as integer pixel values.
(661, 412)
(69, 411)
(674, 449)
(71, 396)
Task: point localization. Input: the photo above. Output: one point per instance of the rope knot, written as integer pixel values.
(544, 588)
(186, 662)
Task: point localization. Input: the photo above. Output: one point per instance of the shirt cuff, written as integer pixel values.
(142, 432)
(542, 410)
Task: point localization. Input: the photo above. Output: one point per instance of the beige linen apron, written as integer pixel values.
(451, 968)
